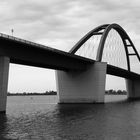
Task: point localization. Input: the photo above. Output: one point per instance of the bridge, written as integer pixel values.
(81, 72)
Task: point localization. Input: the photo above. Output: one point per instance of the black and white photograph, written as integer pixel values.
(69, 70)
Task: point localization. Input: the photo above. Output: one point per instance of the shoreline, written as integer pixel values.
(32, 95)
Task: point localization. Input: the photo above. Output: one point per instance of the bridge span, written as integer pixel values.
(80, 73)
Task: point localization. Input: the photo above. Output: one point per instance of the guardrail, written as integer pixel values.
(25, 41)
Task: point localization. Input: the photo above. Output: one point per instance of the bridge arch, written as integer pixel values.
(104, 31)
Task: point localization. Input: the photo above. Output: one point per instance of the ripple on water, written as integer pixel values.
(37, 120)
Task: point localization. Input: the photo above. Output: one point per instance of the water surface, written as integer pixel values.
(39, 118)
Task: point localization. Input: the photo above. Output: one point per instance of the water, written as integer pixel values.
(39, 118)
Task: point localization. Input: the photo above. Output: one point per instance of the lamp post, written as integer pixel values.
(12, 31)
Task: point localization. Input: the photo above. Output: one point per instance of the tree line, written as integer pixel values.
(115, 92)
(108, 92)
(32, 93)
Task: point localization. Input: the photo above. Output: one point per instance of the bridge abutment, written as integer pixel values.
(133, 89)
(4, 71)
(82, 86)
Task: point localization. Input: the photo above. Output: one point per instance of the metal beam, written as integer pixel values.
(131, 54)
(97, 33)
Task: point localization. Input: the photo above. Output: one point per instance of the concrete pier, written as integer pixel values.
(133, 89)
(82, 86)
(4, 71)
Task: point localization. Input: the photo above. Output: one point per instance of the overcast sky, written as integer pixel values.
(60, 24)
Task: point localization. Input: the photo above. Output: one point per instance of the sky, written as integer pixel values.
(60, 24)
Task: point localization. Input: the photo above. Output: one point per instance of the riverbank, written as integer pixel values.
(32, 93)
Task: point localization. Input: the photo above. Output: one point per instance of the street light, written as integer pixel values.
(12, 31)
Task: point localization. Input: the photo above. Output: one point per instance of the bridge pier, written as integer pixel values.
(133, 89)
(82, 86)
(4, 71)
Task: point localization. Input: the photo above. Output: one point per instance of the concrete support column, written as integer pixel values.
(4, 70)
(133, 88)
(82, 86)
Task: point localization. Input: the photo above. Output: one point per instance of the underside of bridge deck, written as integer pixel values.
(33, 55)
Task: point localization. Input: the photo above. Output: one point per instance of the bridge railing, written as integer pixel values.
(25, 41)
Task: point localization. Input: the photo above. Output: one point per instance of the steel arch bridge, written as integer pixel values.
(81, 72)
(102, 37)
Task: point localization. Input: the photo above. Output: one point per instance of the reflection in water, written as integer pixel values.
(3, 126)
(38, 120)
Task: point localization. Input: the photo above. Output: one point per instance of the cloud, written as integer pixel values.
(65, 20)
(60, 24)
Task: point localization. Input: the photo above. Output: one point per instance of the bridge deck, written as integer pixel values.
(28, 53)
(112, 70)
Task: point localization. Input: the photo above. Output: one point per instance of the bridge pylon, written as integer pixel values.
(82, 86)
(4, 72)
(133, 88)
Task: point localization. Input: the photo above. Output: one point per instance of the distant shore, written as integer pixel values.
(114, 92)
(32, 93)
(107, 92)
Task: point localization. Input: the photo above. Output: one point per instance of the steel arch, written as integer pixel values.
(86, 37)
(107, 27)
